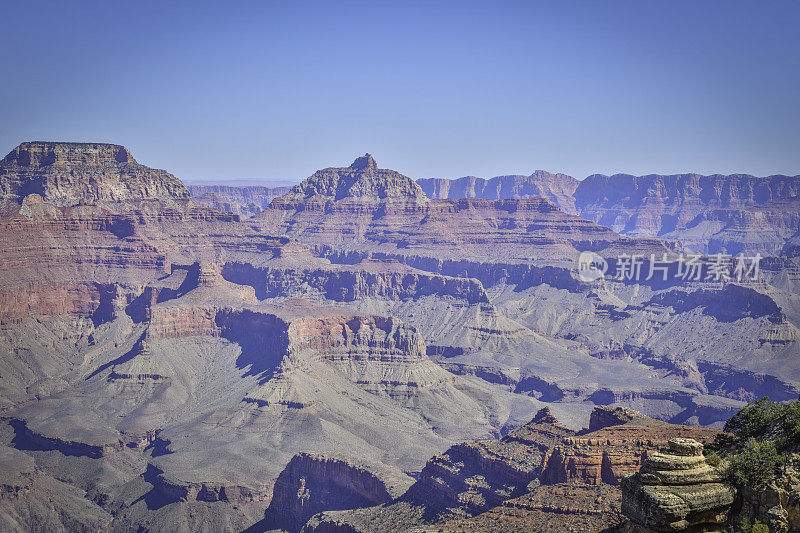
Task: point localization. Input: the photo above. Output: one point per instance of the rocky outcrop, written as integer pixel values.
(362, 180)
(604, 417)
(31, 500)
(69, 173)
(313, 483)
(348, 283)
(677, 490)
(547, 508)
(540, 477)
(778, 503)
(169, 489)
(557, 188)
(475, 476)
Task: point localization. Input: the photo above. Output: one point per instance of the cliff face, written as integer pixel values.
(557, 188)
(32, 500)
(349, 283)
(314, 483)
(245, 201)
(170, 359)
(68, 173)
(736, 213)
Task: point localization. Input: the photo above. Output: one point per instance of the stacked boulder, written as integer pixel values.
(677, 490)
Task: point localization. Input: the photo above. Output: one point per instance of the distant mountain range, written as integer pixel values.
(736, 213)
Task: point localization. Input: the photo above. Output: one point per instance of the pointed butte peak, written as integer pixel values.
(365, 162)
(544, 416)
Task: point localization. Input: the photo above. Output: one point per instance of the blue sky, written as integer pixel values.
(432, 89)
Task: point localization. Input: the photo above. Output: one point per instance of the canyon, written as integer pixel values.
(732, 214)
(363, 351)
(737, 213)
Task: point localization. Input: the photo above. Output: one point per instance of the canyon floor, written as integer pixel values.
(364, 352)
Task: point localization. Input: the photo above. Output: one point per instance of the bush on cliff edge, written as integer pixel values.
(758, 436)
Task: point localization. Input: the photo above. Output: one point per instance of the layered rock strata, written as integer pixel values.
(68, 173)
(557, 188)
(363, 207)
(244, 201)
(677, 490)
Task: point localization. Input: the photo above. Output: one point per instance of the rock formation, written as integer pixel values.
(677, 490)
(68, 173)
(709, 214)
(245, 201)
(31, 500)
(314, 483)
(557, 188)
(540, 477)
(363, 207)
(361, 181)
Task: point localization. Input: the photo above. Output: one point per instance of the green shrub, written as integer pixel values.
(756, 464)
(743, 526)
(763, 418)
(791, 422)
(755, 418)
(713, 459)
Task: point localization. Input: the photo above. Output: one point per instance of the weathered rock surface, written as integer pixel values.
(363, 207)
(31, 500)
(68, 173)
(169, 359)
(362, 181)
(314, 483)
(677, 490)
(737, 213)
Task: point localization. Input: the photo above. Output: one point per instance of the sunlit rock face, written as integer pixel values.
(69, 173)
(677, 490)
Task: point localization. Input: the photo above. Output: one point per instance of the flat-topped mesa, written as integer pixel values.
(70, 173)
(42, 153)
(361, 181)
(603, 417)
